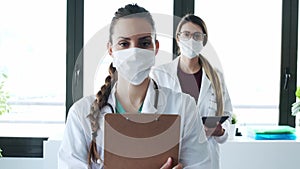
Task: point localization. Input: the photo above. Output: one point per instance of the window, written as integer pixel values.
(247, 40)
(97, 18)
(33, 56)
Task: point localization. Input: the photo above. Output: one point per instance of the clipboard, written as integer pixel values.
(138, 141)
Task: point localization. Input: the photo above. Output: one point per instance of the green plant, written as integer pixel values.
(296, 106)
(233, 119)
(4, 95)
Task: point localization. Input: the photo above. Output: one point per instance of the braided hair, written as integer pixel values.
(129, 11)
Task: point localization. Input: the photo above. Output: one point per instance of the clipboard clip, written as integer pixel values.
(156, 118)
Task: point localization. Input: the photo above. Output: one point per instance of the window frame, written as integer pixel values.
(289, 45)
(75, 41)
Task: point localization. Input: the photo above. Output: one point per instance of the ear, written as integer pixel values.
(156, 47)
(109, 48)
(177, 39)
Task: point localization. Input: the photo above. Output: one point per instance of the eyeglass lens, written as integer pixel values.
(197, 36)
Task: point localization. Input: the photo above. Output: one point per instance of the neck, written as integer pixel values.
(189, 66)
(131, 96)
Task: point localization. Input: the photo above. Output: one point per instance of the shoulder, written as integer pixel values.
(87, 100)
(82, 106)
(165, 72)
(178, 98)
(220, 73)
(166, 66)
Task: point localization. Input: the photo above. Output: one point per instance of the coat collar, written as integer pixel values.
(205, 81)
(148, 105)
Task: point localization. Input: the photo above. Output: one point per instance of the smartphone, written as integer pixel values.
(211, 121)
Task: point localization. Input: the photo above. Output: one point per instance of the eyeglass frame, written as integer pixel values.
(192, 34)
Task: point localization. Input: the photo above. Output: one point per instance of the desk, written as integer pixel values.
(246, 153)
(239, 153)
(254, 154)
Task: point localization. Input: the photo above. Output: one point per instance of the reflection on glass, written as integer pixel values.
(247, 41)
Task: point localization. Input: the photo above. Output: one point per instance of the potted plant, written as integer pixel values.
(295, 109)
(0, 153)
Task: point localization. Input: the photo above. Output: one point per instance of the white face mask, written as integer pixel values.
(134, 64)
(190, 48)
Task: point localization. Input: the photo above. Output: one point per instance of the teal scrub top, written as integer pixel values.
(121, 110)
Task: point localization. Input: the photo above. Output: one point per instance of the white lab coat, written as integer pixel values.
(166, 75)
(194, 148)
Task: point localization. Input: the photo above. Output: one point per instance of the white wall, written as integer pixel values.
(260, 155)
(21, 163)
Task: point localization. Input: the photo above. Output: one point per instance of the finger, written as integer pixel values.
(219, 125)
(168, 164)
(178, 166)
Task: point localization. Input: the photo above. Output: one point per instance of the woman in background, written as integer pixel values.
(191, 73)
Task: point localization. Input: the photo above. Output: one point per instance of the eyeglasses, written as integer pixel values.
(186, 35)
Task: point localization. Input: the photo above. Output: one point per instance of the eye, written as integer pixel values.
(198, 36)
(145, 43)
(186, 34)
(123, 44)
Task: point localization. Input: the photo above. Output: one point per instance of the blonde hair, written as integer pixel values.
(216, 84)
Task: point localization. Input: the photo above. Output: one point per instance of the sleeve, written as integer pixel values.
(73, 151)
(194, 152)
(227, 112)
(222, 139)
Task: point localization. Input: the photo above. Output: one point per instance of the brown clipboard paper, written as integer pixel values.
(138, 141)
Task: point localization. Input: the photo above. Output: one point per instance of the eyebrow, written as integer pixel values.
(145, 37)
(141, 38)
(123, 38)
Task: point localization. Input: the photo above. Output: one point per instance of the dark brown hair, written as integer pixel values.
(130, 11)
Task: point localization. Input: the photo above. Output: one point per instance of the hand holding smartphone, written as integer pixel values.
(211, 121)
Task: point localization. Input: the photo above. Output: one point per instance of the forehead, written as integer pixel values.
(191, 27)
(129, 27)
